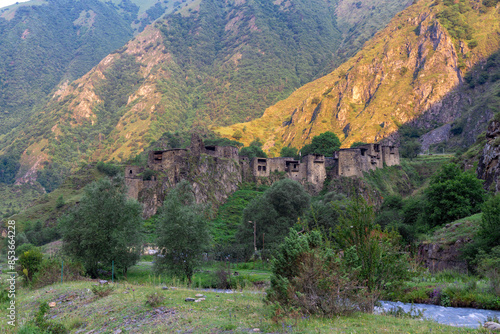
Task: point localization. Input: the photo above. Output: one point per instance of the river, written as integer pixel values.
(454, 316)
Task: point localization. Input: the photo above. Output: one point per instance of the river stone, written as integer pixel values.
(165, 288)
(492, 326)
(199, 295)
(189, 299)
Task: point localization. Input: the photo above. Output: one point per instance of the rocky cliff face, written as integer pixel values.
(488, 168)
(409, 72)
(213, 180)
(437, 257)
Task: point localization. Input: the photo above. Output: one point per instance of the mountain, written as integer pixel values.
(44, 43)
(213, 63)
(421, 69)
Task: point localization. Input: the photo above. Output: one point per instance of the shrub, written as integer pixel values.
(108, 168)
(102, 290)
(489, 266)
(50, 272)
(453, 194)
(308, 276)
(154, 299)
(39, 325)
(30, 261)
(377, 255)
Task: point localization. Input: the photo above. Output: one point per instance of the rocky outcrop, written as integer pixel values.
(410, 72)
(438, 257)
(213, 175)
(438, 135)
(488, 168)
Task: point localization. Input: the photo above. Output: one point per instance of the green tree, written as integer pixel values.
(453, 194)
(253, 151)
(287, 152)
(375, 253)
(325, 144)
(273, 213)
(105, 227)
(183, 233)
(410, 148)
(488, 235)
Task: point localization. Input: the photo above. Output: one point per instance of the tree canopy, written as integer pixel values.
(182, 231)
(104, 227)
(453, 194)
(324, 144)
(274, 213)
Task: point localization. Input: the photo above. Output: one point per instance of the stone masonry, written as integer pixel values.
(202, 165)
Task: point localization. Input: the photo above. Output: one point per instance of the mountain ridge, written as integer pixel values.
(77, 127)
(401, 74)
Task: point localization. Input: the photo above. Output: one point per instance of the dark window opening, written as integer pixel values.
(261, 161)
(130, 172)
(210, 148)
(260, 168)
(263, 168)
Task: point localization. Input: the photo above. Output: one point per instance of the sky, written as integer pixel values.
(5, 3)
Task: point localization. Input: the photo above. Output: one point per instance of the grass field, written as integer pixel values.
(242, 312)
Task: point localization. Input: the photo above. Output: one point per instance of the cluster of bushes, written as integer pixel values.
(109, 169)
(341, 273)
(38, 270)
(35, 233)
(452, 194)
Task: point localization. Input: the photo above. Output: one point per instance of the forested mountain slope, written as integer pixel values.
(427, 67)
(215, 63)
(44, 43)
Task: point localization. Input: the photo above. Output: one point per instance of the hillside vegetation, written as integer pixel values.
(215, 63)
(409, 72)
(44, 44)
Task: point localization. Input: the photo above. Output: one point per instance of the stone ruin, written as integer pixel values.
(223, 166)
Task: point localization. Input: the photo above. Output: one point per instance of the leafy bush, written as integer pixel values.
(30, 262)
(274, 213)
(154, 299)
(287, 152)
(50, 272)
(309, 277)
(102, 290)
(377, 254)
(106, 209)
(182, 232)
(9, 165)
(108, 168)
(39, 325)
(453, 194)
(489, 266)
(324, 144)
(253, 151)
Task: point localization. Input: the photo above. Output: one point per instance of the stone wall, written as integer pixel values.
(216, 171)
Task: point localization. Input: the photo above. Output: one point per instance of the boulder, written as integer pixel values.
(189, 299)
(492, 326)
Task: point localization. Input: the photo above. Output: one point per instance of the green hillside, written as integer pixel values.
(418, 70)
(215, 63)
